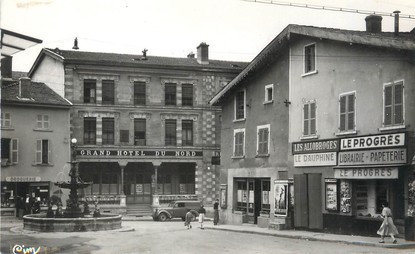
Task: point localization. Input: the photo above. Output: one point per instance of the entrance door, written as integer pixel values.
(137, 184)
(308, 201)
(251, 201)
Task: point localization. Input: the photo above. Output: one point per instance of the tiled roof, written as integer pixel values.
(403, 41)
(40, 94)
(128, 59)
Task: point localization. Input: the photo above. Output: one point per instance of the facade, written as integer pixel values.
(350, 127)
(34, 141)
(145, 132)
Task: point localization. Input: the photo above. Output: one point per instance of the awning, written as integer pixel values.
(12, 43)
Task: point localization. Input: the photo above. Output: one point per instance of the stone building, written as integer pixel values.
(145, 132)
(342, 100)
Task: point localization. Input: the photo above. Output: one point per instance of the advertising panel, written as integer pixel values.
(281, 197)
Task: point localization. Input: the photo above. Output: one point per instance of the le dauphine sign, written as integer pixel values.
(315, 153)
(137, 153)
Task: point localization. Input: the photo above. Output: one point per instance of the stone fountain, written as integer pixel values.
(73, 218)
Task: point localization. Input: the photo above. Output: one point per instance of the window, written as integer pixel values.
(240, 105)
(347, 112)
(187, 132)
(124, 136)
(187, 184)
(6, 121)
(269, 93)
(263, 140)
(266, 190)
(170, 138)
(241, 195)
(310, 58)
(170, 94)
(107, 131)
(108, 92)
(239, 143)
(187, 95)
(139, 93)
(140, 132)
(309, 116)
(164, 184)
(90, 130)
(43, 151)
(42, 122)
(393, 113)
(90, 91)
(10, 150)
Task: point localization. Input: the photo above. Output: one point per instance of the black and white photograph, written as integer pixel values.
(207, 126)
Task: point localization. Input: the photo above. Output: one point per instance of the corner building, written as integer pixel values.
(145, 132)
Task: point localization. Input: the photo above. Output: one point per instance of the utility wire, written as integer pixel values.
(330, 8)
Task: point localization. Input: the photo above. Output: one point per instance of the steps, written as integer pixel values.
(139, 210)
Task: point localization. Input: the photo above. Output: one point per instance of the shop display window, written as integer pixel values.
(265, 190)
(241, 199)
(369, 195)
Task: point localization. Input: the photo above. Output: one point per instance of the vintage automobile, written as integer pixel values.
(177, 209)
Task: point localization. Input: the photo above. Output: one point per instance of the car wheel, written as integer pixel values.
(183, 218)
(162, 217)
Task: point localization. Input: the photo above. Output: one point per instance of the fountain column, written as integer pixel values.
(72, 206)
(123, 202)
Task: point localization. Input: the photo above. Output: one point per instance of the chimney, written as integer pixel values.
(396, 22)
(75, 44)
(191, 55)
(203, 53)
(373, 24)
(6, 67)
(24, 87)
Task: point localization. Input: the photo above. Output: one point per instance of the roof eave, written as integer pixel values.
(39, 59)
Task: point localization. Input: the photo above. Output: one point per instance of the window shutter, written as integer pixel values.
(343, 113)
(46, 124)
(388, 105)
(49, 151)
(306, 119)
(38, 151)
(398, 101)
(14, 151)
(312, 118)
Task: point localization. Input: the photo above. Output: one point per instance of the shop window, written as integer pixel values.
(309, 119)
(170, 132)
(187, 184)
(263, 139)
(187, 95)
(187, 132)
(9, 151)
(240, 102)
(381, 195)
(42, 122)
(43, 151)
(108, 92)
(393, 112)
(239, 143)
(90, 90)
(164, 184)
(107, 131)
(310, 58)
(265, 191)
(170, 94)
(6, 121)
(109, 183)
(90, 130)
(140, 132)
(241, 196)
(369, 196)
(139, 93)
(347, 112)
(96, 181)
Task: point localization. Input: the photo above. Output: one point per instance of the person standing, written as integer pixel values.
(202, 213)
(387, 227)
(188, 219)
(216, 212)
(28, 204)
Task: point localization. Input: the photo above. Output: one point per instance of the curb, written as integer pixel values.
(310, 238)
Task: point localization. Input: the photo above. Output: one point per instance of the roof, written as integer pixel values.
(41, 95)
(12, 42)
(130, 60)
(404, 41)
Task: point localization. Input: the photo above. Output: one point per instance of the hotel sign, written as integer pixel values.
(315, 159)
(138, 153)
(23, 179)
(366, 173)
(373, 157)
(373, 142)
(319, 146)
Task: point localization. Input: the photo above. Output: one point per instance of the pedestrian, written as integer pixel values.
(28, 204)
(188, 219)
(387, 227)
(216, 212)
(36, 206)
(202, 213)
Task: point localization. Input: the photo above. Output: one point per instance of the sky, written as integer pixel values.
(235, 30)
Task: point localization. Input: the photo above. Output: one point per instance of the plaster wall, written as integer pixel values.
(51, 72)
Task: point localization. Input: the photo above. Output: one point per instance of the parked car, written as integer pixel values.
(177, 209)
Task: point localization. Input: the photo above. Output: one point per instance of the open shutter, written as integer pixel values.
(350, 112)
(14, 151)
(38, 156)
(388, 106)
(49, 152)
(306, 120)
(398, 103)
(342, 126)
(312, 118)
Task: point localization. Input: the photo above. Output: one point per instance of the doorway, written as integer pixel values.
(308, 201)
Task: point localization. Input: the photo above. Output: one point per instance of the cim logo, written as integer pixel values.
(17, 249)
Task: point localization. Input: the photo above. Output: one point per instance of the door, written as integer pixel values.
(308, 201)
(251, 201)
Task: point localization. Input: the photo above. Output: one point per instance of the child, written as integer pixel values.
(189, 217)
(202, 212)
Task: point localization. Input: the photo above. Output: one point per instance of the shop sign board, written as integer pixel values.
(373, 142)
(366, 173)
(319, 146)
(373, 157)
(137, 153)
(315, 159)
(23, 179)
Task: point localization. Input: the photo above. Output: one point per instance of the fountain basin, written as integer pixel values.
(40, 223)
